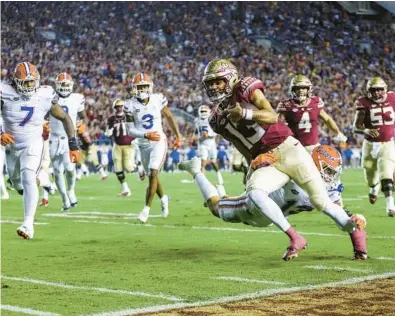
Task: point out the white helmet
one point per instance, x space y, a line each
25 73
139 80
204 111
64 84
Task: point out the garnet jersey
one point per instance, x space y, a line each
303 120
72 104
379 116
118 125
147 117
24 118
250 138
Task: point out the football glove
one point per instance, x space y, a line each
263 160
81 128
75 154
46 128
153 136
7 139
177 143
340 138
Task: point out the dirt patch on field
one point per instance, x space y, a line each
366 299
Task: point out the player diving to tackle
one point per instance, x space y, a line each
248 207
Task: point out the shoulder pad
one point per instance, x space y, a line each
246 87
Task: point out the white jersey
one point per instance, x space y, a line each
147 117
201 126
24 117
290 198
73 104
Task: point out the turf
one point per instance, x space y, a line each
180 257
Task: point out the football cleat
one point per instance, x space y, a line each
142 175
65 208
143 216
72 198
359 255
390 213
5 196
104 177
44 202
192 166
125 193
372 198
293 250
165 206
25 232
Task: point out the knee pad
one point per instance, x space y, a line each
120 176
319 202
387 185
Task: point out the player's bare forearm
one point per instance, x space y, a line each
265 117
359 125
172 122
82 116
58 113
329 122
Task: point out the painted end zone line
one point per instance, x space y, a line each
88 288
26 310
227 299
247 280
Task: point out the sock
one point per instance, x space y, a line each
206 188
339 215
125 186
71 177
266 206
390 202
164 199
374 189
45 194
30 196
146 209
220 181
221 190
292 234
59 180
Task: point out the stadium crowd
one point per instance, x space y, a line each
103 44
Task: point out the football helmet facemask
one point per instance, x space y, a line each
26 79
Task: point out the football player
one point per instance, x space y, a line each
144 121
123 151
375 119
303 111
24 106
291 199
245 117
74 105
207 147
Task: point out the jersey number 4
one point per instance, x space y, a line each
305 122
30 112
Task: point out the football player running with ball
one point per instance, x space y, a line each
245 117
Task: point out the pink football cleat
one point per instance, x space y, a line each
44 202
296 246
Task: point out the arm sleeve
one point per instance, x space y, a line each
133 131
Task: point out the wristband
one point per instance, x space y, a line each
247 114
73 145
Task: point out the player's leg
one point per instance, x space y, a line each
30 160
43 176
3 189
71 177
137 158
220 182
92 157
369 164
119 167
203 154
294 160
386 167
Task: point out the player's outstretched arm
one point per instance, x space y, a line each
173 125
134 132
328 120
359 125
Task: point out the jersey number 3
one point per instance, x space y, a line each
305 122
148 121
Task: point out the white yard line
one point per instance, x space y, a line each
96 289
255 295
28 311
320 267
351 199
77 215
385 258
246 230
20 222
247 280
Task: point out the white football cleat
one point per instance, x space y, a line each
25 232
72 198
164 202
143 216
192 166
125 193
5 196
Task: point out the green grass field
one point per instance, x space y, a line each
99 260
